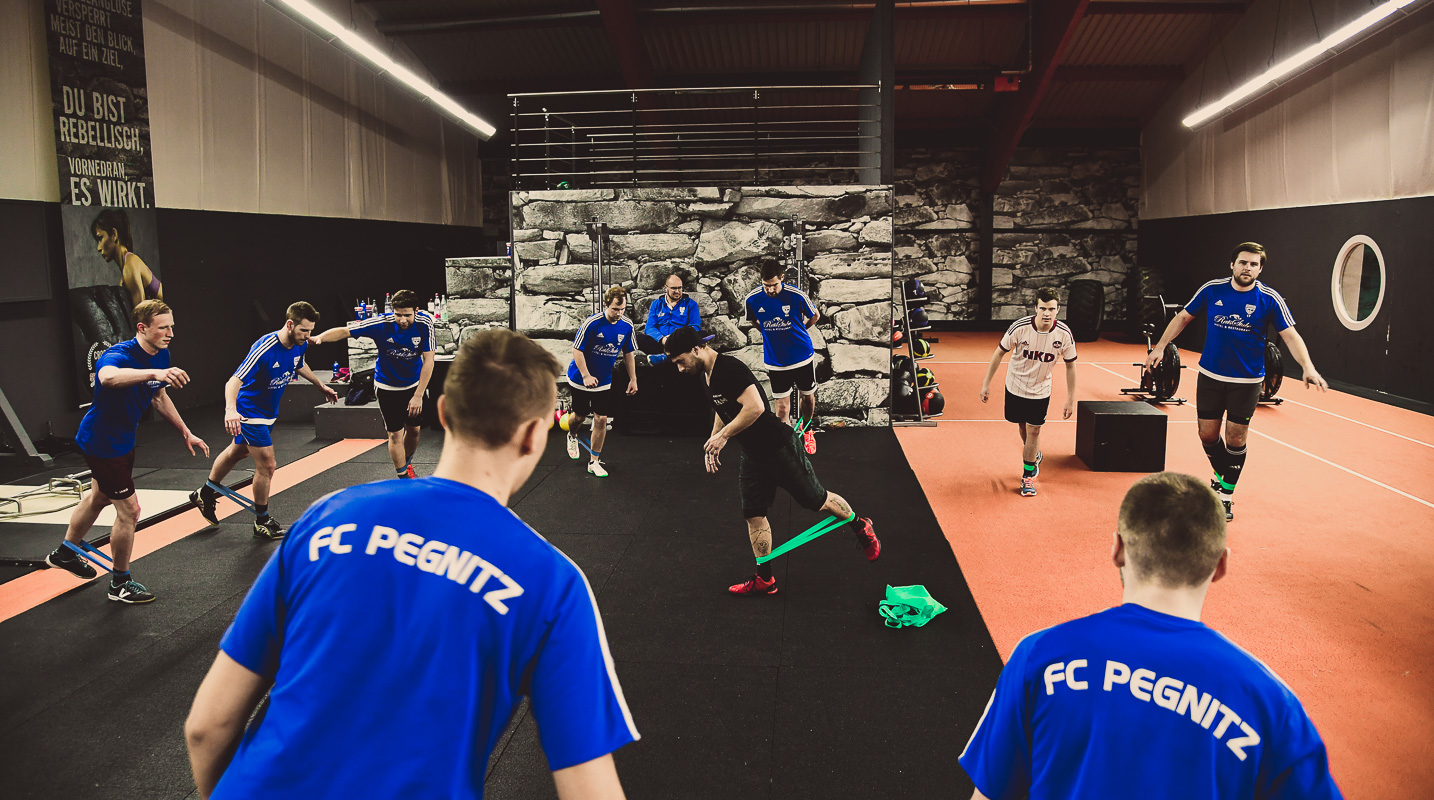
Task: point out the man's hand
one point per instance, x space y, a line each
1313 378
329 394
1069 409
712 462
632 386
231 421
985 393
1153 358
191 441
590 382
415 405
174 376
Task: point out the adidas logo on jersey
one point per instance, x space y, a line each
1220 303
276 365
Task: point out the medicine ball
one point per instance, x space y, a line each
917 318
914 288
933 403
922 348
898 337
925 378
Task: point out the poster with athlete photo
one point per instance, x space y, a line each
112 256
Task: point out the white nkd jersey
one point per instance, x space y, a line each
1034 354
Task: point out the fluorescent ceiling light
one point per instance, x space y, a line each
322 24
1274 74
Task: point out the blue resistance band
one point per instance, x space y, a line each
825 526
232 495
86 551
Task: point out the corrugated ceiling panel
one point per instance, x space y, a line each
1138 39
913 106
417 10
494 55
1101 100
751 47
960 44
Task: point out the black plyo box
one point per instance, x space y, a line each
1120 436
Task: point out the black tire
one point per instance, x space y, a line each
1085 309
1274 371
1166 380
1143 306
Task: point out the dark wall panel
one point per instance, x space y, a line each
229 278
1388 356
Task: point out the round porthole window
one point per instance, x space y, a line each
1357 286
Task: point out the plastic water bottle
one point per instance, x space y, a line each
388 303
333 376
363 309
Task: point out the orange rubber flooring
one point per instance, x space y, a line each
1331 578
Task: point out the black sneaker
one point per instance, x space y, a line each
1229 503
206 507
130 592
269 529
64 558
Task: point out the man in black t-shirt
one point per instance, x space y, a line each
771 457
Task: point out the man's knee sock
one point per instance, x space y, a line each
1234 465
1218 456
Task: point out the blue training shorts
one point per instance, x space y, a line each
253 435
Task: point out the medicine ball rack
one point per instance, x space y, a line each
602 271
902 419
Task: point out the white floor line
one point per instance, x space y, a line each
1401 492
1345 469
1357 422
1048 421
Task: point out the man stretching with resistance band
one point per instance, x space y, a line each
129 378
770 458
251 404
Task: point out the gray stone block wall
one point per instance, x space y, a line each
479 297
1062 214
714 238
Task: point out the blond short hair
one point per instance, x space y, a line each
145 312
499 380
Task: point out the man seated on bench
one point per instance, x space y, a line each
673 310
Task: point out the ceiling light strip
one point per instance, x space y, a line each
1276 73
307 14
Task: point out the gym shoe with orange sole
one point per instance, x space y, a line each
754 586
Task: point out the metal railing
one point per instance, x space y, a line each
728 135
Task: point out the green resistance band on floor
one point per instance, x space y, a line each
825 526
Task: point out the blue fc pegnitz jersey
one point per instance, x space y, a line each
1235 328
1132 703
107 430
400 351
400 624
662 320
783 322
264 373
602 343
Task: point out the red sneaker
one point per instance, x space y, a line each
809 441
411 473
867 541
754 585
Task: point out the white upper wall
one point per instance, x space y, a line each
250 112
1356 128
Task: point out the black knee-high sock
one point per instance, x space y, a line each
764 571
1215 451
1234 465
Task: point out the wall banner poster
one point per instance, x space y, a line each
100 96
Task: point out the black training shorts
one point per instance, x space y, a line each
114 476
593 401
1025 409
760 474
803 377
393 404
1215 398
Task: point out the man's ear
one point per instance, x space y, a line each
1117 550
1222 567
528 435
442 418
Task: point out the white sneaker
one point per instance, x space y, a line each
596 468
573 451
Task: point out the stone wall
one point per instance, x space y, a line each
714 239
480 292
1061 214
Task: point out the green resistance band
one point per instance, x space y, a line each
825 526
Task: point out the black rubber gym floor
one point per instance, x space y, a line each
803 694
